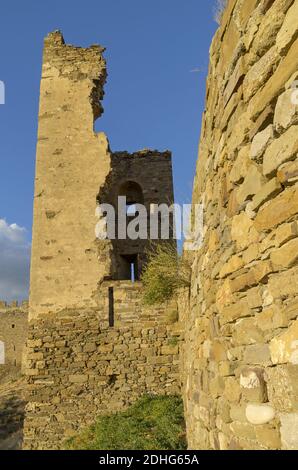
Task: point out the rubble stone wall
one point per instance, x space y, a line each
240 358
79 368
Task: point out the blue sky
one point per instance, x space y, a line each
157 58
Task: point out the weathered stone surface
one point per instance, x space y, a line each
259 414
240 166
281 150
288 172
274 86
235 311
251 185
285 232
289 29
289 431
258 354
287 255
267 192
243 231
260 142
278 210
286 113
259 73
284 348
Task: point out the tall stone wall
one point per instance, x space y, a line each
79 367
240 359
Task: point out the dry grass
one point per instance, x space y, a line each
165 273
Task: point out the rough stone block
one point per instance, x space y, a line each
289 431
284 348
281 150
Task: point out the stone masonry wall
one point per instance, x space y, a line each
240 358
80 368
13 333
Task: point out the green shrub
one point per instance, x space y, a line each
152 423
164 274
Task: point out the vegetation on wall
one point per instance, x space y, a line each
152 423
166 272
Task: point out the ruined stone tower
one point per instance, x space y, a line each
92 346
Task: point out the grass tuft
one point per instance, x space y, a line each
164 274
152 423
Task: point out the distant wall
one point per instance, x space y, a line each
79 367
241 352
13 333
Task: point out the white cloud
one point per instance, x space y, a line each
14 262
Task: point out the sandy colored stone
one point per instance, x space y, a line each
252 183
287 255
276 83
289 431
260 142
288 172
243 231
281 150
284 348
284 206
286 112
268 191
259 73
289 29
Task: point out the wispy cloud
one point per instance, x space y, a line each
14 262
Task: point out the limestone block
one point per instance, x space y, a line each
286 112
247 332
287 255
271 318
234 263
242 231
289 431
289 29
283 284
282 387
235 311
251 253
240 166
284 206
264 118
259 73
78 378
287 67
259 413
251 185
243 430
281 150
260 142
254 297
268 437
267 191
232 390
234 80
258 354
288 173
284 348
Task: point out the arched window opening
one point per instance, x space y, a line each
134 195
